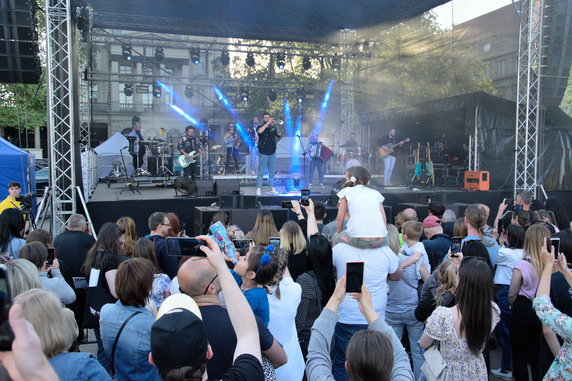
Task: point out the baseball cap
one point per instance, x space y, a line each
431 221
178 336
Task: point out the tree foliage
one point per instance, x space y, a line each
566 104
23 106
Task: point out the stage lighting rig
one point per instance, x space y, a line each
300 95
189 92
272 95
128 90
156 90
281 60
225 58
250 59
159 55
126 52
244 93
195 55
306 63
336 63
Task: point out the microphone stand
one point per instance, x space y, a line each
128 184
304 154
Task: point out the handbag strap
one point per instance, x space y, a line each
117 337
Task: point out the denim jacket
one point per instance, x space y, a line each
134 345
77 366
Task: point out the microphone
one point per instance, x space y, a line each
298 136
124 148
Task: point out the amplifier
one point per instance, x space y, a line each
477 180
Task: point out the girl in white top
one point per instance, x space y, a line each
366 227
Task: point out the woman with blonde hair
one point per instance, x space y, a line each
57 330
525 327
128 226
22 276
476 223
439 289
263 229
293 242
393 238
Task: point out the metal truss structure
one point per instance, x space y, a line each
60 80
348 77
529 118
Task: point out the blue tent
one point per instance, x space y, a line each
16 165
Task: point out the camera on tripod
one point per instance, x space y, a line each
26 202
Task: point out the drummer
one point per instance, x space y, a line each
316 162
351 143
136 149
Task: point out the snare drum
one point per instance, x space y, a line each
159 150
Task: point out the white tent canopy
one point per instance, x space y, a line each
110 151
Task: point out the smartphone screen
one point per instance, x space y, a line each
6 334
241 243
51 255
185 246
305 197
274 241
354 276
456 245
553 242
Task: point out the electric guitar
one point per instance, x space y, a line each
385 151
184 161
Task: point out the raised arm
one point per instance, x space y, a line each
312 224
239 311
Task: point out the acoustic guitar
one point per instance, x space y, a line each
385 151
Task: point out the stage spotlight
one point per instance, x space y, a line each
156 90
225 58
272 95
128 90
336 63
189 92
195 55
250 59
306 63
126 52
159 55
281 60
300 95
244 93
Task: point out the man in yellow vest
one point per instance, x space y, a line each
13 193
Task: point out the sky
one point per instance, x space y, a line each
463 10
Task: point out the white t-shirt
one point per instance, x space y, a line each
505 262
378 263
364 206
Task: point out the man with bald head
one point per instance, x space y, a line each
409 214
199 280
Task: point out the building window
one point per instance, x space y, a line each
147 70
501 70
94 92
124 69
169 71
147 99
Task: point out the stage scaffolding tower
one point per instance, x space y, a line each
348 78
529 117
60 81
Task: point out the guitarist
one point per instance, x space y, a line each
187 144
389 141
231 141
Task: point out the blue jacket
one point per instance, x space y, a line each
78 366
134 345
437 247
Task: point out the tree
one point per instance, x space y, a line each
23 106
566 103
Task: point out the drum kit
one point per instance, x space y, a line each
350 156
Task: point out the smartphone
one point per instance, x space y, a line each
51 255
354 276
287 204
508 201
6 334
274 241
503 224
185 246
456 246
305 197
241 243
553 242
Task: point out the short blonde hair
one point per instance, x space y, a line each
234 232
393 238
412 229
292 238
54 324
23 275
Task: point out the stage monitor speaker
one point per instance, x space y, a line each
19 61
203 217
205 188
227 187
477 180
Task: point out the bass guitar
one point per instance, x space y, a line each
184 161
385 151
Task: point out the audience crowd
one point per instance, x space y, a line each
288 307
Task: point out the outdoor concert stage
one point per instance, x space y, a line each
237 196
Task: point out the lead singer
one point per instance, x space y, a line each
267 134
